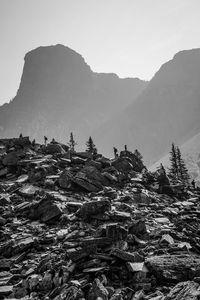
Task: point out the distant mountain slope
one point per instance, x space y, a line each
59 93
167 110
190 151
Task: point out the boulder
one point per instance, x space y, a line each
47 210
72 292
105 162
136 162
28 190
2 221
11 159
54 148
5 290
3 172
94 208
127 256
188 290
84 155
78 160
116 232
138 227
90 179
22 141
97 291
122 165
95 164
174 268
65 179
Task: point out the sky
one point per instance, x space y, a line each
131 38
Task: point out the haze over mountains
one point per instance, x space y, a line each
167 110
59 93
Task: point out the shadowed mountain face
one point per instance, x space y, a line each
59 93
167 111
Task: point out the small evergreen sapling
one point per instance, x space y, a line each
72 143
91 146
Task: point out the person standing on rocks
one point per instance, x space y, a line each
193 183
115 152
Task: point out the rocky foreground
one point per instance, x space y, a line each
79 226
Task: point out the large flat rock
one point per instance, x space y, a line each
174 268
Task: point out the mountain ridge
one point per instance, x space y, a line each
58 90
167 110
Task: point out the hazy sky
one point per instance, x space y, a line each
131 38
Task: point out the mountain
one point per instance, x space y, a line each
59 93
167 111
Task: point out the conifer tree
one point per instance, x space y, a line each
182 169
72 142
91 146
173 170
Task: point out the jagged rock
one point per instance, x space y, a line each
86 184
110 177
47 210
72 292
116 232
2 221
22 178
84 155
94 163
167 239
78 160
4 199
115 235
22 141
76 254
65 179
11 159
188 290
54 148
105 162
28 190
138 227
127 256
90 179
3 172
22 245
99 241
97 291
5 264
119 216
122 165
135 161
94 208
174 268
137 267
6 290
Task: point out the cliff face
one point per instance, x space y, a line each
59 93
167 111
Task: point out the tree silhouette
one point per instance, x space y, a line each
91 146
173 169
72 142
182 170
